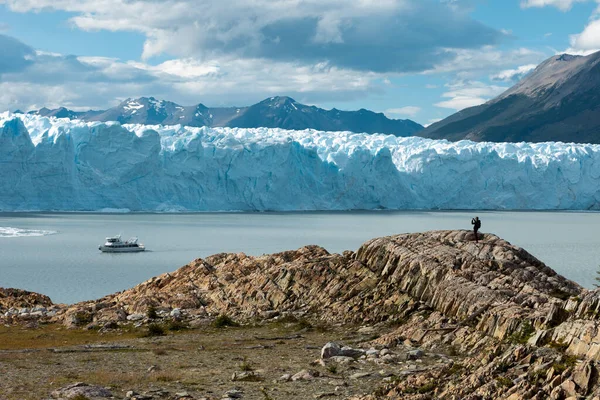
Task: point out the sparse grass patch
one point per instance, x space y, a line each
504 381
245 366
224 320
567 362
558 345
154 330
175 325
266 395
332 368
456 368
49 336
526 330
426 388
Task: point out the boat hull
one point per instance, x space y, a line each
108 249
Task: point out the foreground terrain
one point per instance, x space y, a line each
423 316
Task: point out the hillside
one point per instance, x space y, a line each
558 101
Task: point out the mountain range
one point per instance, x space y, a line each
274 112
558 101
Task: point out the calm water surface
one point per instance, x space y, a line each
68 267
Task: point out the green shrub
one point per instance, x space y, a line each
155 330
151 312
504 381
521 336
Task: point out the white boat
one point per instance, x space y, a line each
116 245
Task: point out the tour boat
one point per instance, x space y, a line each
116 245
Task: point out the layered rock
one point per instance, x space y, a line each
17 299
523 330
492 285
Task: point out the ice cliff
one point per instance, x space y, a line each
59 164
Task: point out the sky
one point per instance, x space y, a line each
416 59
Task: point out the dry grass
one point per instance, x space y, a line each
128 378
49 336
199 361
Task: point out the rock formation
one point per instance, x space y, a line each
525 331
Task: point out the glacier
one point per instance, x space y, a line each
68 165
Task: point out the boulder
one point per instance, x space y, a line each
83 390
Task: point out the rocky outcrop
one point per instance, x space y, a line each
17 298
492 285
523 330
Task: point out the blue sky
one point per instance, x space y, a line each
417 59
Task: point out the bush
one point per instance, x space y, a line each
223 320
155 330
176 325
151 312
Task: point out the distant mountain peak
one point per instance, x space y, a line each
558 101
566 57
273 112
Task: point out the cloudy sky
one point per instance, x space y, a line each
417 59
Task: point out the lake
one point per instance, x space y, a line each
57 253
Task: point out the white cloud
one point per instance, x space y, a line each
430 86
513 74
466 94
32 79
473 62
407 111
588 41
364 35
563 5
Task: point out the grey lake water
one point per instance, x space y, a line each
57 254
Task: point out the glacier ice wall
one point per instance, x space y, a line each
58 164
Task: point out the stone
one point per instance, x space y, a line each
583 376
285 377
342 359
234 394
176 313
246 376
414 354
136 317
304 375
330 350
81 389
347 351
569 388
359 375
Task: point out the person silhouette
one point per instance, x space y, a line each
476 222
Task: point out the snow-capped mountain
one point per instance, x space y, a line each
61 164
558 101
275 112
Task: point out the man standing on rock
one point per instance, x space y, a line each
476 225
